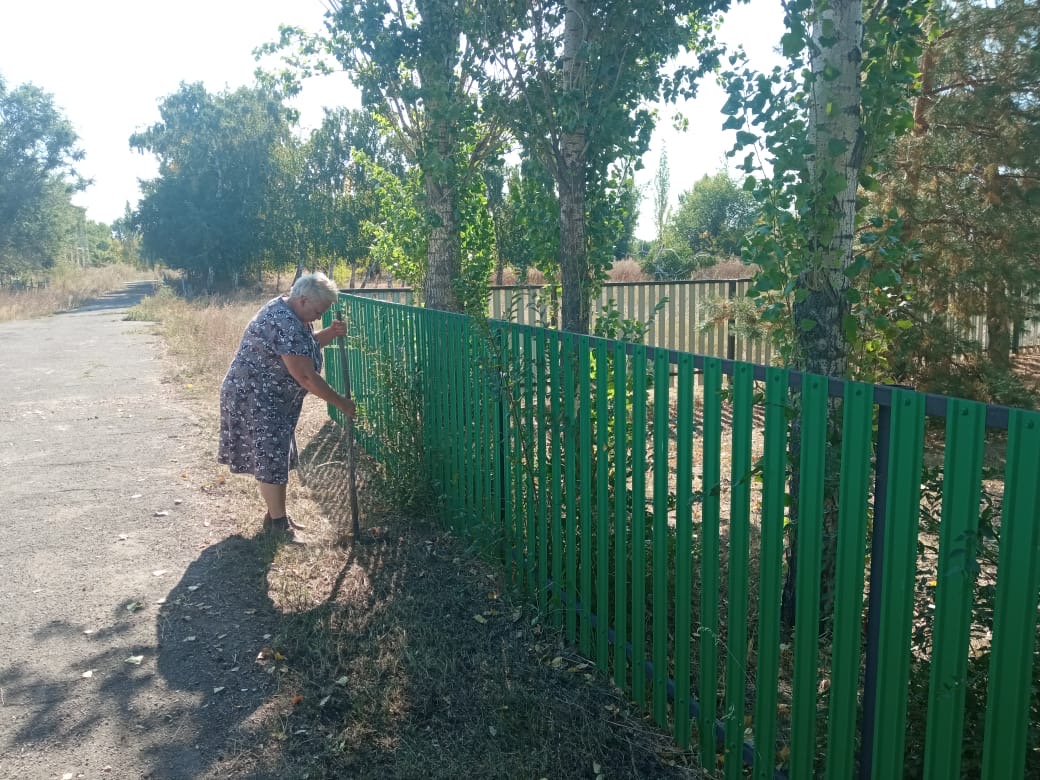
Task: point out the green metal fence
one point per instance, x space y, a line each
640 497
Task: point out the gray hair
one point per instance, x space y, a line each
317 287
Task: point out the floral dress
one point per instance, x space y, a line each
260 402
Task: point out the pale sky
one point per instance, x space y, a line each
109 63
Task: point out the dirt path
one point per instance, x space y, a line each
130 612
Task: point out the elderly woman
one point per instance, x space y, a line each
277 364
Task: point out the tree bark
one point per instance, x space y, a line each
574 261
835 130
571 167
998 326
443 264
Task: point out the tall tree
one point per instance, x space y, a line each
214 208
416 62
823 121
339 186
582 74
712 216
38 153
967 181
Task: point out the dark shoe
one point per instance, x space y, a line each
278 526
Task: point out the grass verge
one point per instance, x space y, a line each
66 289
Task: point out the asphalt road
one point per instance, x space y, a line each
130 612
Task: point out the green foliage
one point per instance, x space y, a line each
397 231
219 201
575 80
340 192
529 230
713 216
967 185
38 153
415 64
810 246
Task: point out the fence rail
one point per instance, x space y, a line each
640 497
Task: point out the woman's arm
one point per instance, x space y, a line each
301 367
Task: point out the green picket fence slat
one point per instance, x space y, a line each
660 533
809 544
743 387
555 455
1014 619
774 481
621 546
568 359
684 432
585 447
637 539
897 586
853 497
955 581
711 486
603 512
542 450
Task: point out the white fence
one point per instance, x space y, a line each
682 323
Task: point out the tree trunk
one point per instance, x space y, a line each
837 34
571 166
443 266
574 261
998 326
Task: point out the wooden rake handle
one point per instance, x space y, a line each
351 450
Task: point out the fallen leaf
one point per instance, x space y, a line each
278 656
133 606
134 659
342 680
87 674
297 699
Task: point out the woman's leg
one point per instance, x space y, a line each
274 497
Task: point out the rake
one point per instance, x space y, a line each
351 454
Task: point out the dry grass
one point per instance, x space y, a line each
67 288
626 270
407 655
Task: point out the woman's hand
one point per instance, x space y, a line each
325 336
347 407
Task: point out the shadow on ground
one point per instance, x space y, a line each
424 664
